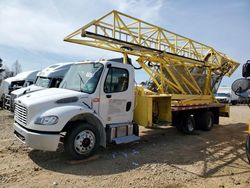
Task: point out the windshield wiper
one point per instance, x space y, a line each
82 81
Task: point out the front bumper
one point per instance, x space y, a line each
223 100
40 141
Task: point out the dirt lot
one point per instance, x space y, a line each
163 158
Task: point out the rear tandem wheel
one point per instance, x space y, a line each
185 123
205 121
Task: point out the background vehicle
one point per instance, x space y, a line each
47 78
8 85
226 95
97 102
242 86
4 88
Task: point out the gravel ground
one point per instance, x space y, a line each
162 158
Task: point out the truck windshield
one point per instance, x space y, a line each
43 82
16 85
83 77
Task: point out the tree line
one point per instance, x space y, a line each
6 71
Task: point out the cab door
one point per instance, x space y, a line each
117 93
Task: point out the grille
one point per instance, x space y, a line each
13 96
21 113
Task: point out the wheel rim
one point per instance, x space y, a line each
84 142
190 125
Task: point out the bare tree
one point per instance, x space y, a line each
7 72
16 68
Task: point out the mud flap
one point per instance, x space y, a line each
224 111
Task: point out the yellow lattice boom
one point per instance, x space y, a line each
176 64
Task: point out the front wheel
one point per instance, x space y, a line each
234 103
82 141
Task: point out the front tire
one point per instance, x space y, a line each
234 103
82 141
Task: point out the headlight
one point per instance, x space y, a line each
47 120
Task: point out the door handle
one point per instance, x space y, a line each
109 96
128 106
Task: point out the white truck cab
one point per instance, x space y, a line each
4 87
48 78
93 106
23 79
20 80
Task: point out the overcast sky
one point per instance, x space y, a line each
33 31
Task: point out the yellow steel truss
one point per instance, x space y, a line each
176 64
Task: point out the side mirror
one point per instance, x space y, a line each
241 85
246 69
109 66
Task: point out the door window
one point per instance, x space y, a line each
116 80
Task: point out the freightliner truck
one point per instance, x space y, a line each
48 78
98 102
10 84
